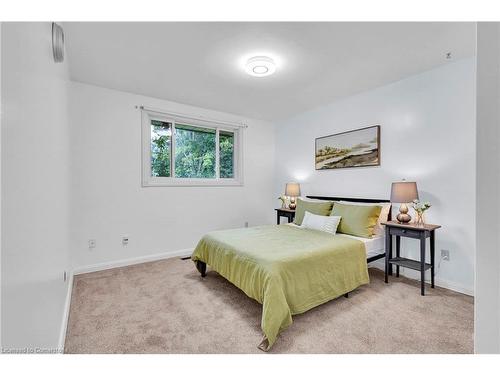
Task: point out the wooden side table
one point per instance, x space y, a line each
285 212
420 232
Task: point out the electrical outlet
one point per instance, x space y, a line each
92 244
125 240
445 254
246 224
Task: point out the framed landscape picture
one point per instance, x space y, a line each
355 148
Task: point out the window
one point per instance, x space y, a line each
194 152
180 150
161 140
226 154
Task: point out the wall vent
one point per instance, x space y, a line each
57 43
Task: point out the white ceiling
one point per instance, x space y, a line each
202 63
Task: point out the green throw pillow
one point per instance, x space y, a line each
317 208
356 220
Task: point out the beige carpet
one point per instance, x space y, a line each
166 307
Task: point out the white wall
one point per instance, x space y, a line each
35 187
487 301
427 135
1 120
109 201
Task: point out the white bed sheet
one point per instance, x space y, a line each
373 246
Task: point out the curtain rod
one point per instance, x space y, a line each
199 118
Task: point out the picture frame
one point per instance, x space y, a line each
349 149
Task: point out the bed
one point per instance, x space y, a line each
289 269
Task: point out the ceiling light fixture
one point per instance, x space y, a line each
260 66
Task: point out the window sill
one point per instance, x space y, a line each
165 181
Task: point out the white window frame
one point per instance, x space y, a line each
148 180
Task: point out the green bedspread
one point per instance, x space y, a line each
287 269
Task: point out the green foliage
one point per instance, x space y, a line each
420 207
226 152
160 149
194 151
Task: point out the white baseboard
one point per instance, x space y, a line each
453 286
131 261
415 275
67 305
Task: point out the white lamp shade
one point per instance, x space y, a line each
404 192
292 189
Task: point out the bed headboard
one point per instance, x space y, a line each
350 199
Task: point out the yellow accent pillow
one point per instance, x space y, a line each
356 220
317 208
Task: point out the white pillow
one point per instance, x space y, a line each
384 214
327 224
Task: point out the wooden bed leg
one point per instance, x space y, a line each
346 295
201 267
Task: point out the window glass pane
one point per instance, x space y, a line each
194 152
161 138
226 154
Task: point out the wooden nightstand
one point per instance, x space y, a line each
420 232
285 212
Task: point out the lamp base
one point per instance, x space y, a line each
403 217
292 204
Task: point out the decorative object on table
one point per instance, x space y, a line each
284 201
404 192
354 148
420 208
292 190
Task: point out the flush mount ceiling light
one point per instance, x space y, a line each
260 66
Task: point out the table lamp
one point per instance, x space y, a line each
403 192
292 190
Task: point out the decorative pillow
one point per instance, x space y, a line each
327 224
318 208
357 220
384 214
